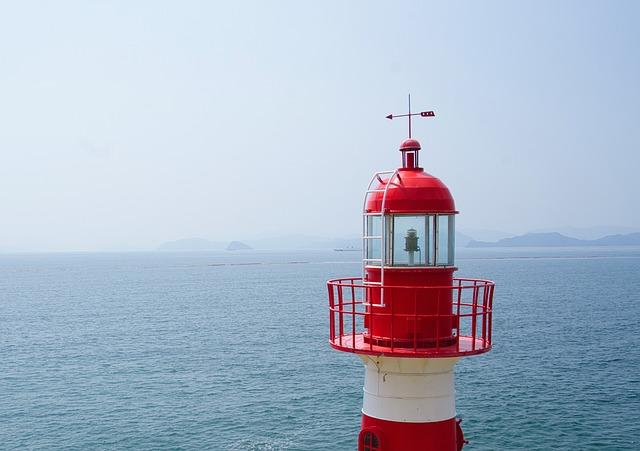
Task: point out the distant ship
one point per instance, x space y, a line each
347 249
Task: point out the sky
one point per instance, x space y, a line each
126 124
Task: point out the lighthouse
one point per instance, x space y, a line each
406 316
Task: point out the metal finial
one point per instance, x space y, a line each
409 115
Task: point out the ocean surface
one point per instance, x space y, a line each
228 351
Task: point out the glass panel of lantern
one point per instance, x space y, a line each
430 234
452 240
409 235
444 240
372 245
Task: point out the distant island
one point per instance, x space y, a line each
554 239
238 246
292 242
201 244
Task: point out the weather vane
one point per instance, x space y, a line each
422 114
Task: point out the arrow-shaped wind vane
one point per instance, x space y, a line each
409 114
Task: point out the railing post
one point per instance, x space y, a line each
438 299
332 320
492 286
474 310
393 320
340 313
353 313
415 319
353 319
369 313
458 314
484 314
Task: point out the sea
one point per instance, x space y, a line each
229 351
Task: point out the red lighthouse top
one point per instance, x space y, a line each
411 189
407 302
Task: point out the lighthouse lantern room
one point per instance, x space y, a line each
406 316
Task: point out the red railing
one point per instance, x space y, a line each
357 324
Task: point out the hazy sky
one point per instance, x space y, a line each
126 124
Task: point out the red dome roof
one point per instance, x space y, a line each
413 191
410 144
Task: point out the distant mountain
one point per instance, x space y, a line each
630 239
192 244
554 239
582 233
237 246
462 240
